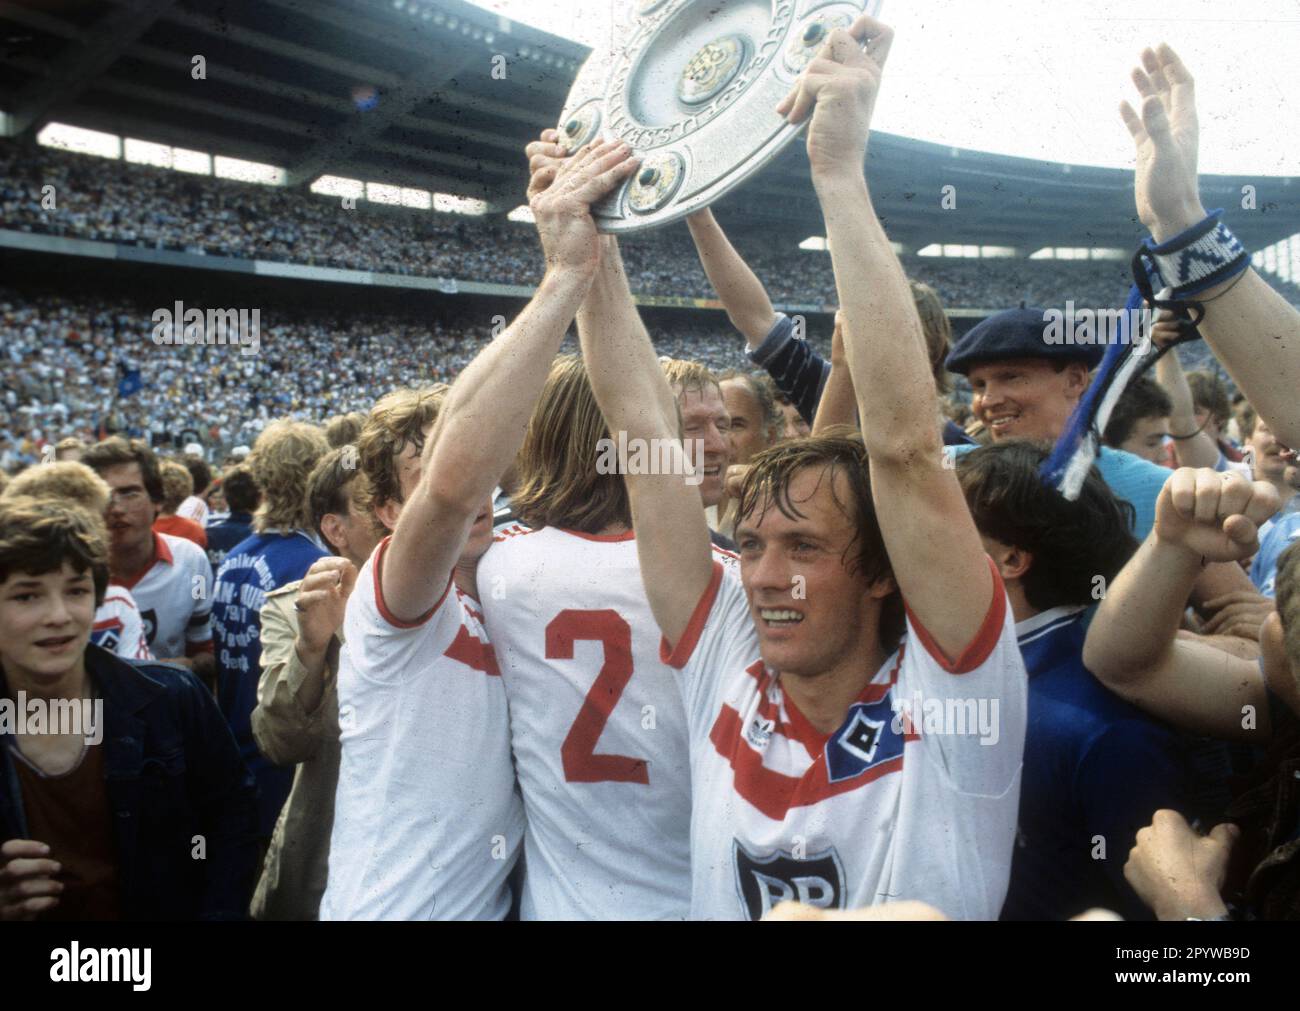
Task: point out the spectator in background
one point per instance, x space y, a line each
1210 400
296 721
280 550
1267 455
169 577
195 507
344 429
1139 423
70 448
242 497
177 486
105 829
118 626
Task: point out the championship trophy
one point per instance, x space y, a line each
693 91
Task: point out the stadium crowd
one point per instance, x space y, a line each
351 655
117 201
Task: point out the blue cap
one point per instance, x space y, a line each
1016 333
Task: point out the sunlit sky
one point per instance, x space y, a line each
1044 78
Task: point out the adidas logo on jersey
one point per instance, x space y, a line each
759 731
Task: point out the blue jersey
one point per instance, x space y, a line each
253 568
224 532
1096 770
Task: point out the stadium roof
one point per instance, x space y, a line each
286 82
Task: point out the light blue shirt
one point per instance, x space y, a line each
1278 537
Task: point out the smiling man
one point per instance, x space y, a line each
803 784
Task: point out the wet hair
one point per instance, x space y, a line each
839 450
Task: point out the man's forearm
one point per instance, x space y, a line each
1254 331
482 424
621 360
883 341
1142 610
742 293
1196 450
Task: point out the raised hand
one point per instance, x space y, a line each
321 601
561 192
839 87
1167 138
1214 515
27 884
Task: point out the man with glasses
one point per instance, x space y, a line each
169 577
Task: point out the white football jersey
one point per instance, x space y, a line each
118 627
915 796
427 819
174 596
597 724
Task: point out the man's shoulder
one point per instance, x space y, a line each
184 550
1122 465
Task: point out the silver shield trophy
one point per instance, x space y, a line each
693 90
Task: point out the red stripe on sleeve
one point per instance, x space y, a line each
384 612
979 648
678 656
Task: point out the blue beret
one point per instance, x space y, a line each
1017 333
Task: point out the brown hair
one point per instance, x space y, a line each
37 535
1287 586
343 429
282 457
1209 394
69 445
1072 542
177 483
66 480
327 487
397 420
937 330
240 489
839 450
116 452
558 483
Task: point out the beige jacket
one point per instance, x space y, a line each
297 862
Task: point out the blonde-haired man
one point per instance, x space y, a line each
281 550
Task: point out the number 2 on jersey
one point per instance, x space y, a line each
578 753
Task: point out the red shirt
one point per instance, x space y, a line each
179 526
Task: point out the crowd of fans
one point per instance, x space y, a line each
117 201
64 356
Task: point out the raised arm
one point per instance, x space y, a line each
481 427
838 405
1248 325
1133 646
672 535
931 539
1191 448
741 292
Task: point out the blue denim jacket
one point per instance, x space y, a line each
172 773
